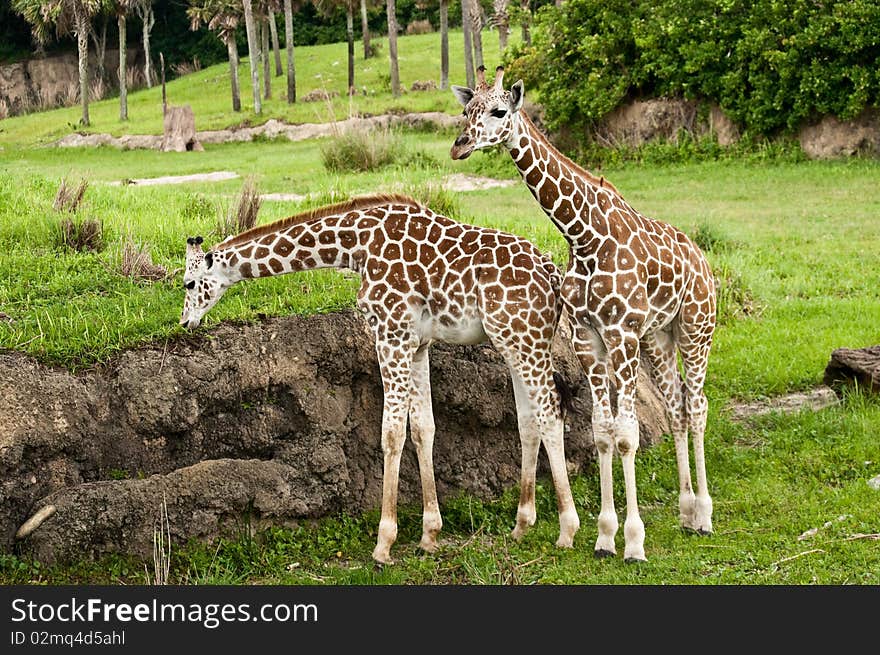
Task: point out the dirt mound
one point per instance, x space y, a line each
832 137
278 420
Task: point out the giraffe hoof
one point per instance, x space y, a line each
601 553
634 560
429 546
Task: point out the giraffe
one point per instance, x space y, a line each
425 278
632 284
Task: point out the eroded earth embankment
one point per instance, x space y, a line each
278 420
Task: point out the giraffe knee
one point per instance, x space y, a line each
626 435
603 436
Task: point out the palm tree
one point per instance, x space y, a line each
501 19
99 38
67 17
391 14
288 42
144 9
477 31
222 16
365 29
444 44
327 7
264 54
273 30
466 25
121 8
526 21
253 53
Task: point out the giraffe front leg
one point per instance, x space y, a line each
623 354
395 366
421 425
591 353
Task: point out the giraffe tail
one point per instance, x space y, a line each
566 394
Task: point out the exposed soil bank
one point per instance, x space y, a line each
280 420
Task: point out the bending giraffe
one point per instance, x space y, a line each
425 278
632 283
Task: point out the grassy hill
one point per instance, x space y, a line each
317 67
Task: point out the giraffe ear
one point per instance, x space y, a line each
517 95
463 94
209 259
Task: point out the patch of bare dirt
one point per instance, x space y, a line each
464 182
215 176
815 399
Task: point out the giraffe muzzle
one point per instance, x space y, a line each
462 148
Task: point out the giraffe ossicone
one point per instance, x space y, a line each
425 278
632 284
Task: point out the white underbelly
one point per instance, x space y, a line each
466 330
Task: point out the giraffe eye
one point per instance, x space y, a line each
189 285
499 113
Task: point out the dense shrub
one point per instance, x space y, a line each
769 64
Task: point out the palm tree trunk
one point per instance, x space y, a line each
123 77
477 32
232 49
391 14
526 22
100 41
253 53
502 22
148 19
82 47
349 32
365 29
279 71
444 44
468 47
264 57
288 42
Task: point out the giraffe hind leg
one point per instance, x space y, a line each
661 351
421 426
695 356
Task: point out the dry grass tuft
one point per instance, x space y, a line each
242 214
81 235
67 198
137 263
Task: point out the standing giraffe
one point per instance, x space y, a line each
631 281
425 278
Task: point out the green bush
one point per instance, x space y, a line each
770 65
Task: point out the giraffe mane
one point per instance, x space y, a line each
357 203
577 168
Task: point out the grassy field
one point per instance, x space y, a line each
317 67
794 243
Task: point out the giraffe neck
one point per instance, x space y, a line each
574 199
328 242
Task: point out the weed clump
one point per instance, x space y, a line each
242 214
81 234
361 151
69 197
735 299
137 263
436 198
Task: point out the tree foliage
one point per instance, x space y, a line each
769 64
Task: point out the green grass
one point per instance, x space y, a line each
798 238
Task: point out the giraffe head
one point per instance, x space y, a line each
491 113
204 279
